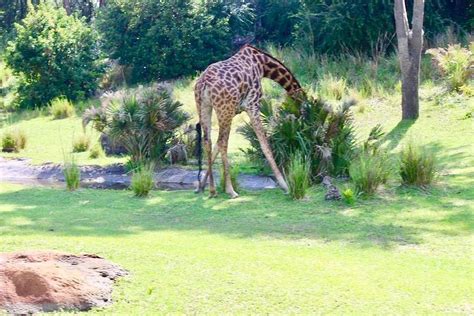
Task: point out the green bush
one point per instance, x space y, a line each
298 176
332 88
72 175
61 108
456 65
54 55
368 171
142 180
417 165
96 151
165 39
13 140
81 144
234 173
325 137
144 121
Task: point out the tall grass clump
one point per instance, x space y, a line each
298 176
96 151
13 140
368 171
455 63
72 175
331 87
61 108
142 180
81 144
234 173
417 165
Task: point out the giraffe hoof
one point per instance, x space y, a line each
233 195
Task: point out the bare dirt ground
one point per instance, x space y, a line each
32 282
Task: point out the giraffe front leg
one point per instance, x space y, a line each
254 115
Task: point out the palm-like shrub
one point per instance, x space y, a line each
417 166
144 122
310 127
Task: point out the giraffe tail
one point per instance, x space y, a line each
199 149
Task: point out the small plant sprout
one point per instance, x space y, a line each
417 165
81 144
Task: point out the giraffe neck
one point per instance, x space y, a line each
275 70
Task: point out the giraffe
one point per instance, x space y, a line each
230 87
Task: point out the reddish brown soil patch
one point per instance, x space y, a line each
33 282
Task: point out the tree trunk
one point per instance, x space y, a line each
410 44
67 6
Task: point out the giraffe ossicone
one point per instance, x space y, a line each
229 87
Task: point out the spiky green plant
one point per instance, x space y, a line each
323 135
144 121
368 171
13 140
72 175
61 108
417 165
142 180
298 176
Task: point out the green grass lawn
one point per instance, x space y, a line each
407 251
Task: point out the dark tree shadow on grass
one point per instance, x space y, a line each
393 138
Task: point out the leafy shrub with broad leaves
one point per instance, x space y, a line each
298 176
456 65
325 137
417 165
13 140
61 108
142 180
143 121
54 55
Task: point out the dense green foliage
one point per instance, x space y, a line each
163 39
144 122
323 135
54 54
367 26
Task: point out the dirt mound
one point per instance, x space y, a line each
49 281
